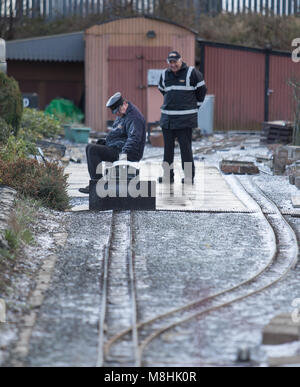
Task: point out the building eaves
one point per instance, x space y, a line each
55 48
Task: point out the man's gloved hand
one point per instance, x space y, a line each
101 142
122 156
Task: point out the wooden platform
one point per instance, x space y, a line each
281 329
209 193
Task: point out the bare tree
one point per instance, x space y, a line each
19 8
295 84
179 11
12 16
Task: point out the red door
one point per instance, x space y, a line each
128 70
281 100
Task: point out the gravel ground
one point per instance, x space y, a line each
179 257
23 277
209 259
66 333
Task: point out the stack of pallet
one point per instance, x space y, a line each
280 132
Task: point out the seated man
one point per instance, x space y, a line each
126 139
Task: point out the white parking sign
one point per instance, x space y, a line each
2 311
26 102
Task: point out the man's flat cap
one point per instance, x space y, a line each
115 102
173 55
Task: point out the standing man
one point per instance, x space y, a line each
125 141
184 91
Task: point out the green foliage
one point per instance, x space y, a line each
16 148
18 232
295 85
5 131
44 182
12 239
37 125
11 102
253 30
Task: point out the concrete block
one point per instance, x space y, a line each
280 160
296 201
268 161
280 330
238 167
292 179
118 197
293 152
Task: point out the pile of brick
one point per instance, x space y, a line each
287 161
238 167
280 132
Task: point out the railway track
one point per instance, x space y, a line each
118 290
283 258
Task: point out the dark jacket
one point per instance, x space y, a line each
128 134
183 93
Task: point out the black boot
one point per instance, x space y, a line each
85 190
163 179
187 180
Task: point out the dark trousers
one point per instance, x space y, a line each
184 137
95 154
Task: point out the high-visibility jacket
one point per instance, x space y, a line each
183 93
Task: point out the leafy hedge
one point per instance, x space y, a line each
44 182
11 102
19 132
17 148
5 131
37 125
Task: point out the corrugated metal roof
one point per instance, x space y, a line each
58 48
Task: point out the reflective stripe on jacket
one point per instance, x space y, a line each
183 93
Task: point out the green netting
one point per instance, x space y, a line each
65 110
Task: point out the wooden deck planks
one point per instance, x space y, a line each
209 193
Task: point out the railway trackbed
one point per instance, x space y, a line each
128 346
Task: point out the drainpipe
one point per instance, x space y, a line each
3 65
268 91
202 57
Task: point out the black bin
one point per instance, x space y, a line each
31 100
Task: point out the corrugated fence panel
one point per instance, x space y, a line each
236 78
52 9
281 101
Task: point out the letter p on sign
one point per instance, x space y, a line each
2 311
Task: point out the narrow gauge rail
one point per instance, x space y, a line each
107 253
277 266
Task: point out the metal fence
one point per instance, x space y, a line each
51 9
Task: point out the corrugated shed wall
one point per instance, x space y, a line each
282 69
236 78
120 53
96 74
49 79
